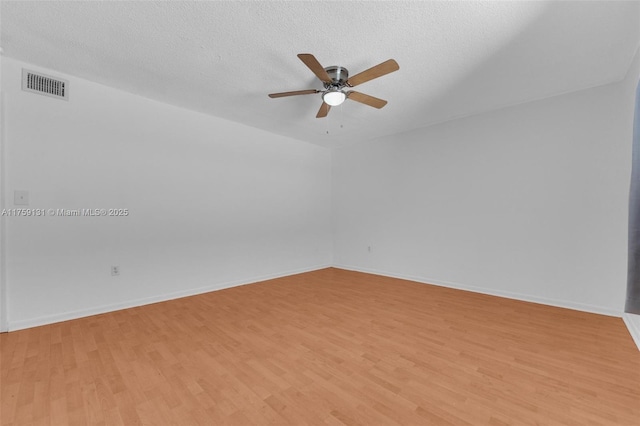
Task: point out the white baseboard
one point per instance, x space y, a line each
66 316
631 321
633 325
506 294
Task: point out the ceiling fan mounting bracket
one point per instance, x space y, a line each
339 76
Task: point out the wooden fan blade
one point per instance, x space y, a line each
374 72
366 99
297 92
324 110
313 64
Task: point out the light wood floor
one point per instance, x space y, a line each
327 347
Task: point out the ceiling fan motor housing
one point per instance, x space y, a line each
339 76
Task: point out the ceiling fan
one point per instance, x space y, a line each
336 79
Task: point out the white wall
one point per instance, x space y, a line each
212 203
527 202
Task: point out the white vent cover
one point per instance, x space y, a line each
45 85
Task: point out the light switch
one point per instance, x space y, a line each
21 198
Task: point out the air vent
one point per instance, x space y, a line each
45 85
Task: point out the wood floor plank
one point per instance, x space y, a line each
329 347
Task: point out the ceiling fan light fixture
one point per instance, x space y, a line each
334 97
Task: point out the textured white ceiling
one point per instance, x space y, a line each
223 58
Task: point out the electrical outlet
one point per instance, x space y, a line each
21 198
115 270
